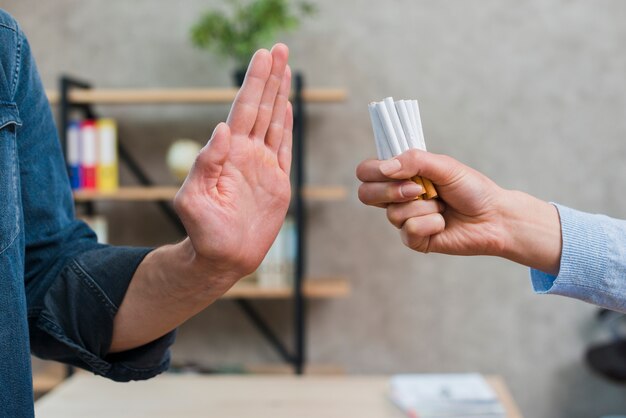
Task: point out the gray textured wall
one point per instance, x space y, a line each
531 93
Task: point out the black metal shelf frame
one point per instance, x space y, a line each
296 357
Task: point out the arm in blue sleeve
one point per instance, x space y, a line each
74 285
593 260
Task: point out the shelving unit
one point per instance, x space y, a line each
77 95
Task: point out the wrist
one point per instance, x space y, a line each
187 276
532 232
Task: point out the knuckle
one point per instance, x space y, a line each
412 153
394 216
393 191
410 157
440 223
275 128
413 227
412 241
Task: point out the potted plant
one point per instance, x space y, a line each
250 25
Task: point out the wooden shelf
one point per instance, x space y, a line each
324 193
128 193
187 95
313 288
312 193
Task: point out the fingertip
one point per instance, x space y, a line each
281 49
359 170
279 55
262 56
364 169
263 52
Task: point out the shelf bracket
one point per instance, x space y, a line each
254 316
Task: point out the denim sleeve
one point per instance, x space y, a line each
593 260
74 285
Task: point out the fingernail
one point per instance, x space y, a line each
391 166
411 190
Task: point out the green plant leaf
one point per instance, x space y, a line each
249 26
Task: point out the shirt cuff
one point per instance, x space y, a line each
586 255
75 325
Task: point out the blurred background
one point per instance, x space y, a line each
533 94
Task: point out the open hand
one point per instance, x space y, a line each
236 196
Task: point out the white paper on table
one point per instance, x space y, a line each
445 395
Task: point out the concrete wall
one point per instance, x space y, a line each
531 93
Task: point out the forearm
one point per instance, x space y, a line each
170 286
532 232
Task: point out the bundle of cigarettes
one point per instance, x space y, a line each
398 128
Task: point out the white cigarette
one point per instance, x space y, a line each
410 109
382 147
390 134
418 122
397 125
407 124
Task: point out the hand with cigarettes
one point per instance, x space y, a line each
471 216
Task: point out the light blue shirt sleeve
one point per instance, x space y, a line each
593 260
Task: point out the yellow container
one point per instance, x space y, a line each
107 177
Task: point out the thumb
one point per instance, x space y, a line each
210 160
440 169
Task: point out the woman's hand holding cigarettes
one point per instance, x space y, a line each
474 216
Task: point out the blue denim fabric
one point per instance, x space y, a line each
59 288
593 260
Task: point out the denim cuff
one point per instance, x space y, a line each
76 322
586 260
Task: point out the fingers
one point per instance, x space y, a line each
369 170
244 111
440 169
416 232
399 213
273 87
284 150
274 134
210 160
377 193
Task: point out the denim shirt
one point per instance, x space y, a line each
59 288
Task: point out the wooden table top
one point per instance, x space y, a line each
234 396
